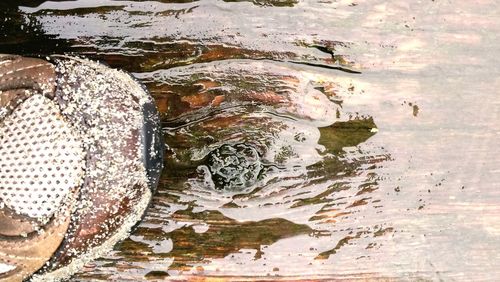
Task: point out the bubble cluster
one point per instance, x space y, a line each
234 167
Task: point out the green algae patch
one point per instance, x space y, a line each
226 236
346 134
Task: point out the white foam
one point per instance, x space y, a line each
4 268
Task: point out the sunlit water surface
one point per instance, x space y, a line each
306 139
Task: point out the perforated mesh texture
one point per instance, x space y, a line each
41 160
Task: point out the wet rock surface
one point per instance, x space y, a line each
375 124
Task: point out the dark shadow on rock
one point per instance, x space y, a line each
22 34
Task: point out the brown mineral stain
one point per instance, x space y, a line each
198 101
218 100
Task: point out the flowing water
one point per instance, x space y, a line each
307 139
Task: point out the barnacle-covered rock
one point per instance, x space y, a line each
81 155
